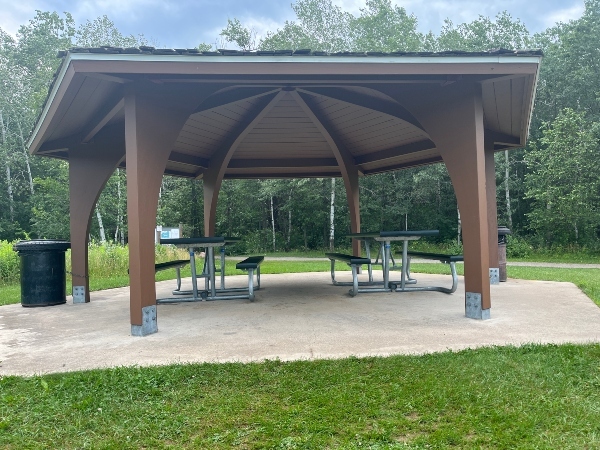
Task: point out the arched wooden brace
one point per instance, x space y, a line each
213 176
344 159
90 167
454 121
151 129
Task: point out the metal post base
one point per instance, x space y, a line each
78 294
494 276
149 324
473 307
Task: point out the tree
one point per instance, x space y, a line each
484 34
564 182
383 27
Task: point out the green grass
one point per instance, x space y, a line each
527 397
588 280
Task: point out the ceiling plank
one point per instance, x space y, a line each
236 95
269 176
106 113
220 159
366 101
343 157
280 163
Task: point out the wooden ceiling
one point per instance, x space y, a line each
283 120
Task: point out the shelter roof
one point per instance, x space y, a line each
287 108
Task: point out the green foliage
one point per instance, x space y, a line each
564 180
102 31
484 34
501 397
51 208
517 247
245 38
9 264
384 27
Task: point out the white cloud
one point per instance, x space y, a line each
563 15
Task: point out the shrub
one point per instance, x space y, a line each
517 247
9 263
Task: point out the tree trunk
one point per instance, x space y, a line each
119 212
100 225
273 223
507 189
26 154
332 217
459 226
8 175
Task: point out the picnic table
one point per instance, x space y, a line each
208 244
385 238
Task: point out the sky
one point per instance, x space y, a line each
187 23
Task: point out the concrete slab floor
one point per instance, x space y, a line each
294 316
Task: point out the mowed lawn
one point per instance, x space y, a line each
503 397
527 397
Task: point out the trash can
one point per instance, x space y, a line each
43 274
502 233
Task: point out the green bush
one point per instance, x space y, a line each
517 247
9 263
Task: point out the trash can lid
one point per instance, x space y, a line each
502 231
37 245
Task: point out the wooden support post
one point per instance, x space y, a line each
453 118
150 132
90 167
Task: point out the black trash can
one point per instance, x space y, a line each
502 233
43 273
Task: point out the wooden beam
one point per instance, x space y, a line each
189 160
106 113
281 163
178 173
61 144
111 78
502 138
394 152
234 96
391 108
406 165
282 175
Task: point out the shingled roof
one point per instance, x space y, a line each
147 50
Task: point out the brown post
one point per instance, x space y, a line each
454 121
150 131
90 167
490 177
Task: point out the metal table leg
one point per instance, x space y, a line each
404 264
193 268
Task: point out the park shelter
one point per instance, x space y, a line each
234 114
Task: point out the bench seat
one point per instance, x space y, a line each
447 259
354 262
177 265
252 265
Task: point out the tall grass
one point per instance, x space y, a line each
9 264
105 260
